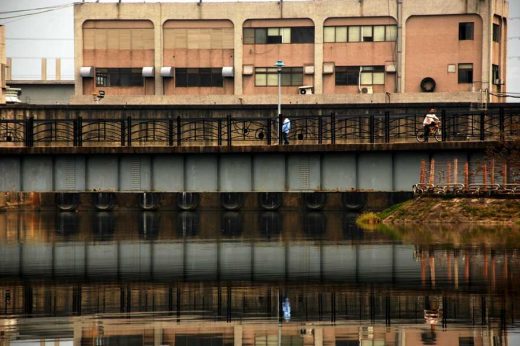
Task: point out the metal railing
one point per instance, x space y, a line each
496 125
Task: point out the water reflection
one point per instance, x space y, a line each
252 278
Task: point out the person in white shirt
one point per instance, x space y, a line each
286 127
430 120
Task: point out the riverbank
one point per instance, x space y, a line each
424 210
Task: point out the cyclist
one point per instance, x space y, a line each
430 121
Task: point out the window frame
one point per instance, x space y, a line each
466 31
463 75
497 32
191 77
364 73
115 76
285 35
294 75
356 33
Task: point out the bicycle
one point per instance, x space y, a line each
435 132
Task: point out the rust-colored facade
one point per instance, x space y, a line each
224 53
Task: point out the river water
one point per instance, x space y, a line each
214 278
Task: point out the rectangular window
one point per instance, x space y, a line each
119 77
198 77
249 36
354 33
379 33
360 75
465 73
496 74
302 35
496 33
466 341
341 34
260 36
329 34
281 35
268 76
372 75
347 75
391 33
465 31
367 34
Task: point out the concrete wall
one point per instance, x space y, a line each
318 13
45 93
240 172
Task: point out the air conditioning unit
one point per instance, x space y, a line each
305 90
367 90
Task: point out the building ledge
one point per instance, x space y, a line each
39 82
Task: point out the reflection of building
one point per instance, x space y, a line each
164 330
222 53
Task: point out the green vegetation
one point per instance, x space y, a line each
368 220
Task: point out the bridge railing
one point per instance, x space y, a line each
233 131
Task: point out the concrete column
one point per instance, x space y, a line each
238 335
58 69
44 69
9 72
158 52
318 55
318 337
78 50
238 55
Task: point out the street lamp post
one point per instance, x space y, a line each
279 65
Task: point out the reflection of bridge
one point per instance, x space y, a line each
88 151
257 261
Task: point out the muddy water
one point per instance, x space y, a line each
252 278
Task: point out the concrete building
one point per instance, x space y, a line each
334 52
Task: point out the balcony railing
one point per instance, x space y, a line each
495 125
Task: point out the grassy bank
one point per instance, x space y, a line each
488 211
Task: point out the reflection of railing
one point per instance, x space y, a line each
231 131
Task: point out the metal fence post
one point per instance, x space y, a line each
268 128
123 131
280 124
333 128
444 125
170 131
78 131
387 127
129 131
219 131
28 135
179 131
320 129
501 123
228 126
372 130
482 126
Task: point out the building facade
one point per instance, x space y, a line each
333 52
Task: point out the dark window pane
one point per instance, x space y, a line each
466 341
302 35
274 39
465 31
260 36
181 77
249 36
496 32
347 75
121 77
465 73
496 74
